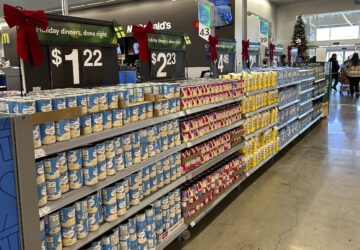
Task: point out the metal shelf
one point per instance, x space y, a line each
310 124
306 113
307 101
307 79
258 91
288 84
214 133
106 226
216 201
307 90
260 110
288 104
287 122
214 105
214 161
318 96
77 194
249 136
171 237
319 80
253 170
94 137
289 141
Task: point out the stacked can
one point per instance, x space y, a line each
121 198
150 227
110 205
128 152
41 185
134 190
68 225
52 176
74 163
93 211
101 161
71 102
53 231
124 235
81 215
63 168
42 235
43 105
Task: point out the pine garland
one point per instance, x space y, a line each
299 38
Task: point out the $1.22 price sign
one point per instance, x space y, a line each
71 66
163 65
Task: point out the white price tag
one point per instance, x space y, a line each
39 153
44 211
189 144
192 224
182 113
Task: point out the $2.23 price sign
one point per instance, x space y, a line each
74 66
163 65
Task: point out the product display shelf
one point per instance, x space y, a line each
319 80
307 90
84 191
260 110
214 133
249 136
171 236
106 226
258 91
288 84
214 161
308 79
254 169
287 122
214 105
306 113
288 104
217 201
307 101
318 96
311 123
289 141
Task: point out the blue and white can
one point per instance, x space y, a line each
52 223
117 118
40 177
82 101
113 99
168 91
58 103
115 237
94 222
75 127
176 126
119 162
158 108
110 212
64 182
131 92
167 176
177 158
153 184
109 195
149 212
76 178
67 216
110 166
36 136
124 96
124 230
92 100
152 170
51 168
160 180
164 202
140 222
142 246
171 140
171 196
68 236
151 149
85 124
92 203
164 143
178 104
134 196
89 156
147 88
126 115
110 148
158 146
107 119
106 242
97 122
121 206
132 225
143 133
96 245
54 242
149 110
144 152
126 139
146 188
118 142
159 167
165 107
12 107
176 89
156 90
142 112
128 156
101 166
134 181
169 128
151 132
133 241
159 224
43 104
90 175
145 173
71 101
82 228
62 130
102 100
42 229
125 244
134 113
139 93
177 139
42 196
172 106
157 131
100 151
47 133
173 173
135 139
101 213
163 129
81 211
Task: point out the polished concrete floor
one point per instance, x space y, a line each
307 199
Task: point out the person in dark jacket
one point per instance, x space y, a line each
335 69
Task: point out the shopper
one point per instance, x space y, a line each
352 69
335 69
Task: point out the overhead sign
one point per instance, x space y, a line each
226 50
264 33
76 54
204 16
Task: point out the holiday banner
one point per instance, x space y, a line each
58 31
264 33
166 41
226 46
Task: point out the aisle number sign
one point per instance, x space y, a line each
204 21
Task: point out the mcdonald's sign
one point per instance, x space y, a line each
5 38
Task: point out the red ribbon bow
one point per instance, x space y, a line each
245 50
289 53
141 33
272 47
26 34
213 41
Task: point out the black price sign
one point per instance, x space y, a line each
167 57
226 57
77 53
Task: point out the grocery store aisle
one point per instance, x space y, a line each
308 199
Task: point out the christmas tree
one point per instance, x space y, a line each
299 38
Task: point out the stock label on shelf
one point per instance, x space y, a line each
225 63
76 54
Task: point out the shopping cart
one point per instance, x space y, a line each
345 84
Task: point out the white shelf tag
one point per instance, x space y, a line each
44 211
39 153
192 224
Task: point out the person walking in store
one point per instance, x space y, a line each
335 69
352 69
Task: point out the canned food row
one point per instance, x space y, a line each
254 102
75 168
288 132
189 89
202 190
64 227
289 94
288 113
260 120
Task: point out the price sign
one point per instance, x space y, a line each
77 53
206 17
167 57
226 57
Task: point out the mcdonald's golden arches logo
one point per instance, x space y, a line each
5 38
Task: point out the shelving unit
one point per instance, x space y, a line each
171 237
306 113
307 101
307 90
288 104
254 92
317 97
254 169
288 84
214 105
287 122
260 110
249 136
